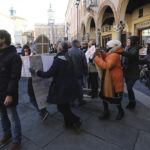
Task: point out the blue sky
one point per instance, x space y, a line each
35 10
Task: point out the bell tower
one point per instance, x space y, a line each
51 19
51 22
12 12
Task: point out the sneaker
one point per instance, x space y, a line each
16 146
44 115
5 140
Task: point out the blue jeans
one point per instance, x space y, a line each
34 103
130 83
11 123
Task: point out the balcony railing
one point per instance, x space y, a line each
91 3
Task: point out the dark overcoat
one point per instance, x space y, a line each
64 87
10 73
131 64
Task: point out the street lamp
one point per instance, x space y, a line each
77 5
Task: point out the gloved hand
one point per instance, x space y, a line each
97 53
33 70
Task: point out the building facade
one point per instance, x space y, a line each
103 20
46 30
51 30
7 23
22 33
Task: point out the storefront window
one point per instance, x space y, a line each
145 36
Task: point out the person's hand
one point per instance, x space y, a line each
97 53
33 70
8 100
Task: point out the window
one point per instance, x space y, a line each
140 12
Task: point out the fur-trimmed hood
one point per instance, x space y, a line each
116 49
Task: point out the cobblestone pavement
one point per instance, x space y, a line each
131 133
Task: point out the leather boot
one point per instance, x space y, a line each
106 113
120 114
16 146
131 105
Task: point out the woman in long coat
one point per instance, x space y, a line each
131 68
64 87
112 60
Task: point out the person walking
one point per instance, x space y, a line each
43 113
64 87
80 66
131 68
93 74
10 72
112 61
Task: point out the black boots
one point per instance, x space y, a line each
105 116
106 113
120 113
131 105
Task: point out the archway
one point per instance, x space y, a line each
135 14
42 44
83 32
106 23
91 28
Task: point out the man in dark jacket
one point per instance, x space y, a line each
10 72
80 66
64 87
131 68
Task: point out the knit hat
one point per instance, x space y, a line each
113 43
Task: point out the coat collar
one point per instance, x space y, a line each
10 48
116 49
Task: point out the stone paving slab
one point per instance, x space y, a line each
112 131
26 145
39 132
71 141
143 142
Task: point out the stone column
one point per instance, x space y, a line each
119 29
87 37
98 38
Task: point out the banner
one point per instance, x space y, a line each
143 51
40 85
90 53
25 66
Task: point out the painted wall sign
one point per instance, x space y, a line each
143 24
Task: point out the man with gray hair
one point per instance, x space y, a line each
80 66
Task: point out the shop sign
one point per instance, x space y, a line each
143 24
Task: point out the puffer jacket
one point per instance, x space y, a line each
131 63
112 59
10 72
